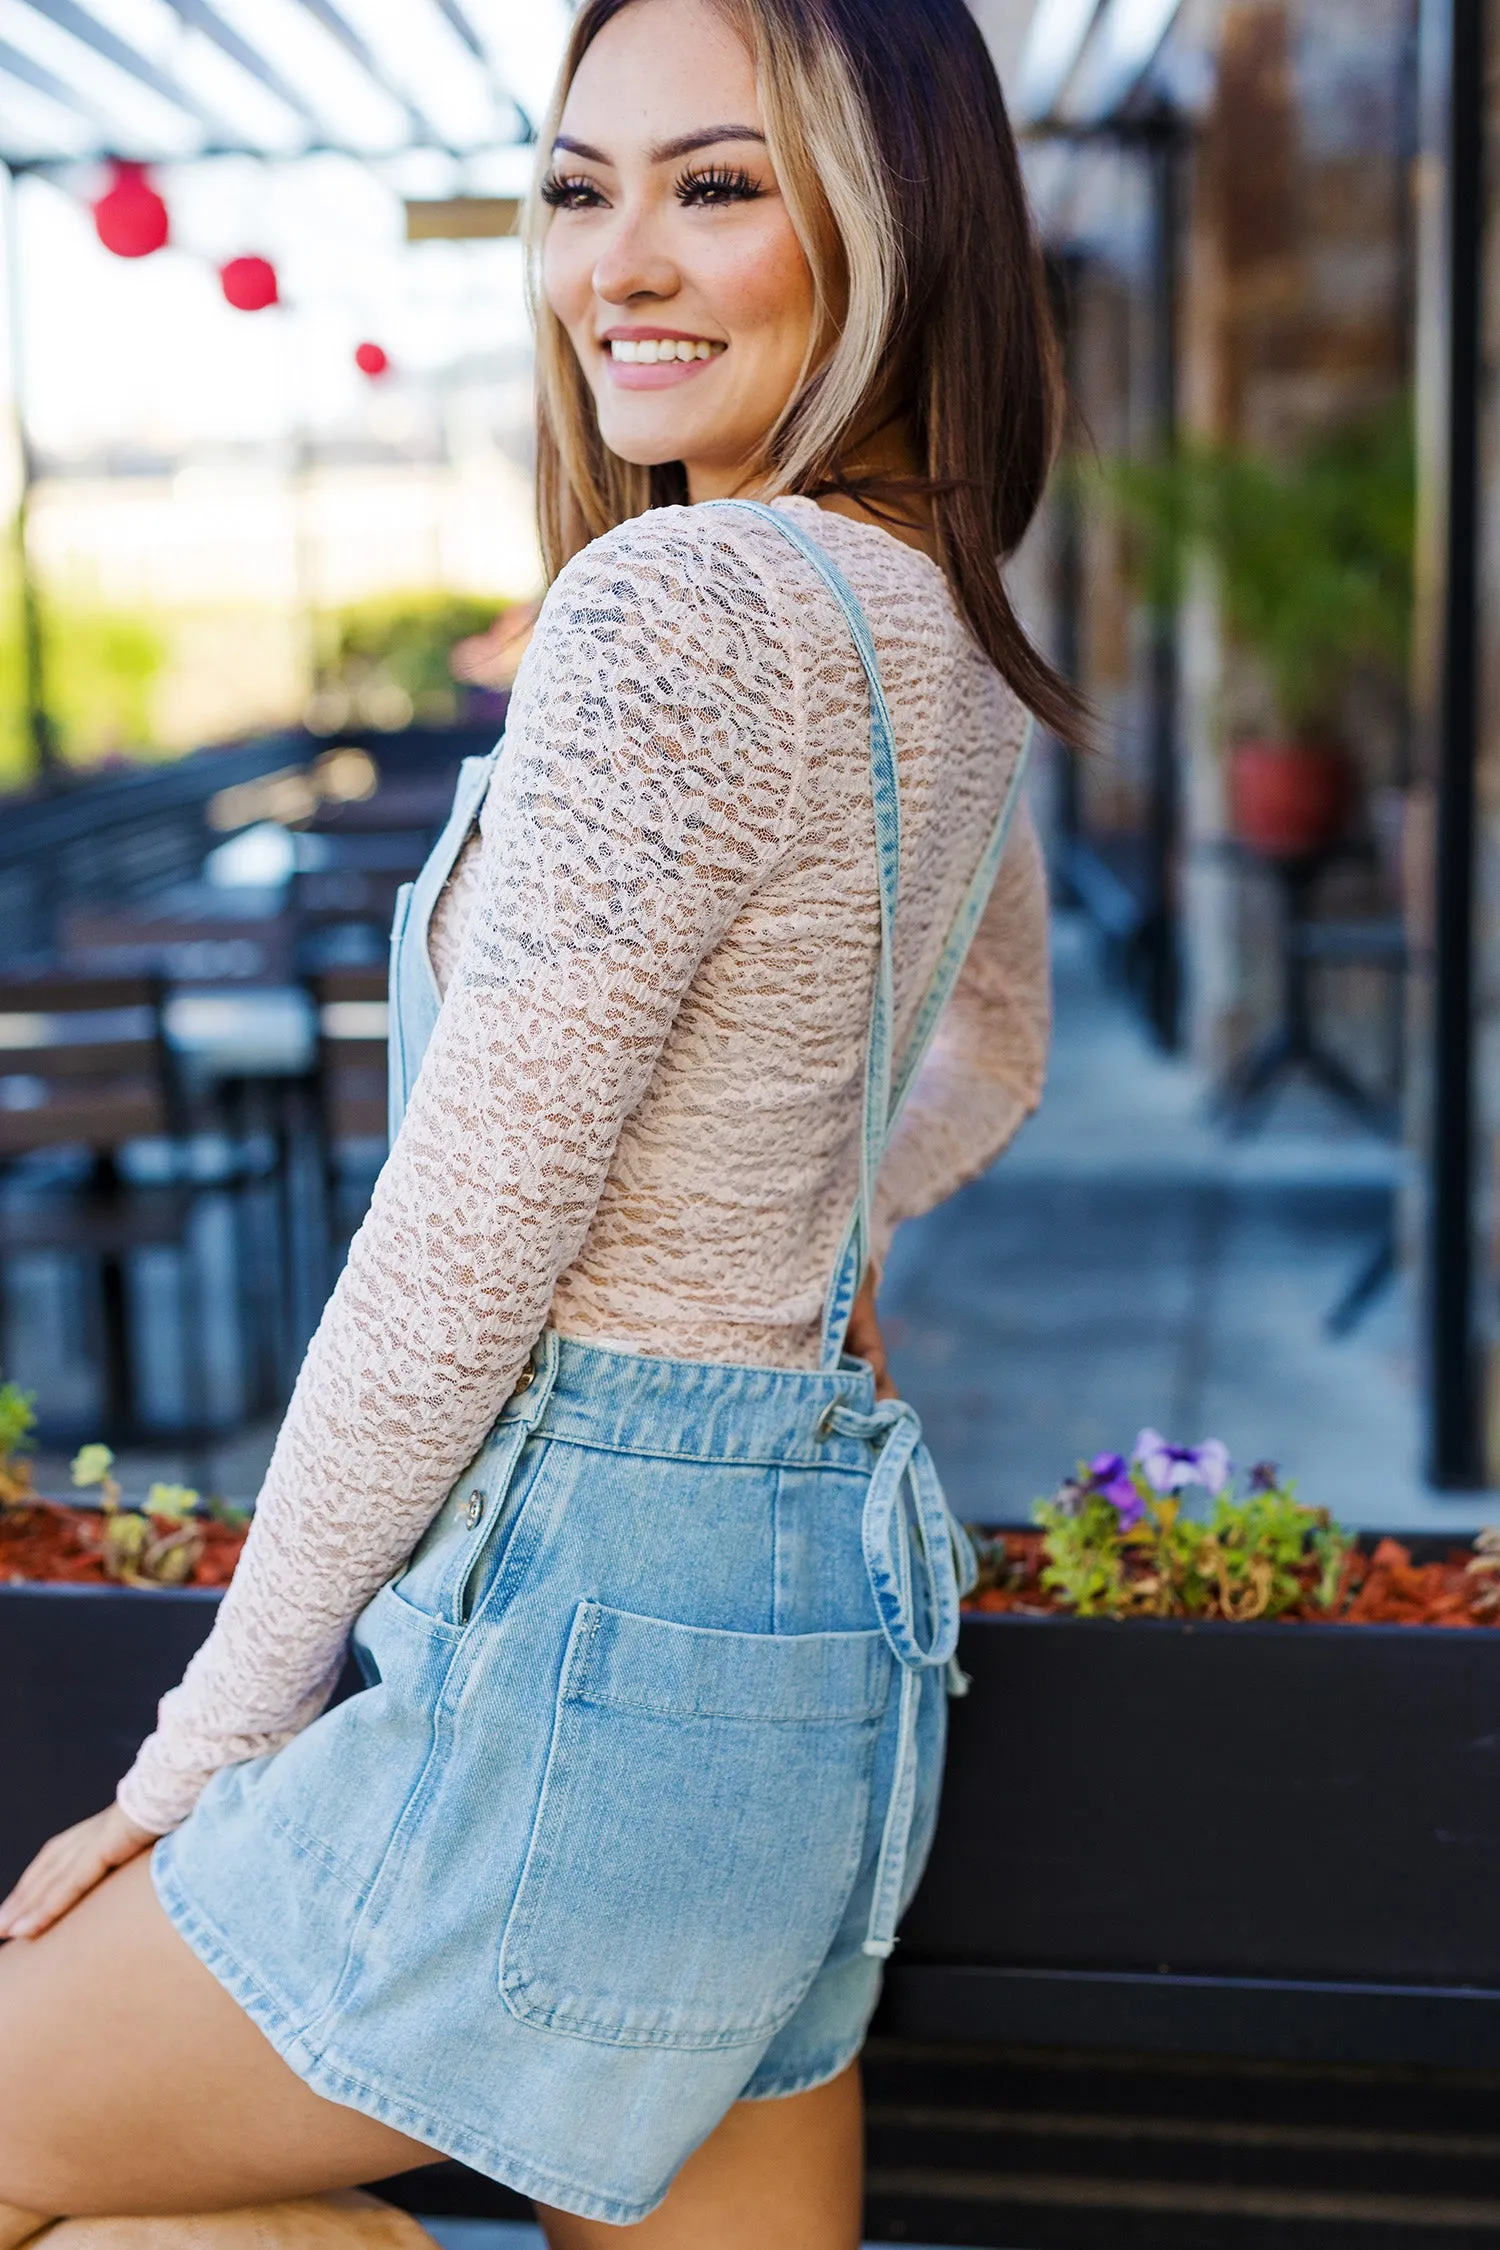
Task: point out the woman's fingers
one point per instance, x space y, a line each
67 1868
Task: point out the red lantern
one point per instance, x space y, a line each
130 216
372 360
249 284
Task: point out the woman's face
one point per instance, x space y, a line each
670 257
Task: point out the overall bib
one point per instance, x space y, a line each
647 1762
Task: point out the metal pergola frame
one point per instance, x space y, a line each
76 19
1455 92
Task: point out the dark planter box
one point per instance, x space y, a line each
1235 1839
82 1669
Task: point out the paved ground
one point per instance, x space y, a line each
1128 1263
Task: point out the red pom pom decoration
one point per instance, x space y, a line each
372 360
249 284
130 217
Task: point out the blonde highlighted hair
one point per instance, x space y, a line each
887 129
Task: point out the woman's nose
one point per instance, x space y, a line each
633 264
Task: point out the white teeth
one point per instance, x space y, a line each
651 351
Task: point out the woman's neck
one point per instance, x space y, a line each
885 459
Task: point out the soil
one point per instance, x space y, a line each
51 1541
1382 1587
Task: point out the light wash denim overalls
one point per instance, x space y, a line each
622 1825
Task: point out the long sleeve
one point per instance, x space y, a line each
641 799
983 1074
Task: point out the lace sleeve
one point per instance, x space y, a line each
641 798
983 1074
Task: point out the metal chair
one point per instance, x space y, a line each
351 1009
85 1071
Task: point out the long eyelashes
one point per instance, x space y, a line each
564 192
708 188
717 183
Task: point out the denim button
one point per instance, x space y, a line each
475 1509
524 1381
823 1427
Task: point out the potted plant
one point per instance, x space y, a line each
1313 559
1225 1781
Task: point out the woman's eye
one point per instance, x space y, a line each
717 184
562 193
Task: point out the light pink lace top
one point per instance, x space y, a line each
639 1113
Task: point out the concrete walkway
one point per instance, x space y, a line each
1128 1263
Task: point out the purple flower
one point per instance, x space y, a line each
1109 1479
1265 1477
1167 1468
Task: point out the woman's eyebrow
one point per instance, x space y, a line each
665 152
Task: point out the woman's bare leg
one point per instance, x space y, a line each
131 2082
783 2175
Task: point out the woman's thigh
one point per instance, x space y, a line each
130 2080
778 2175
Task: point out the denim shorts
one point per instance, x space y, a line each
595 1853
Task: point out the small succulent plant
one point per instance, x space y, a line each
156 1545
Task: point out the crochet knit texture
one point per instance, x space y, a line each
639 1114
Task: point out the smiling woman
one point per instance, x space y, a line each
733 957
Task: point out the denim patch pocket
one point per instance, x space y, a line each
700 1827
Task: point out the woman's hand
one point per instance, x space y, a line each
864 1340
64 1870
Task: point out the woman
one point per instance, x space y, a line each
592 1884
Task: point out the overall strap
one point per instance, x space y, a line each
886 1088
854 1253
414 995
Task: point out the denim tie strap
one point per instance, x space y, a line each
905 1509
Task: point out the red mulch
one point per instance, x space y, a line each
1383 1588
47 1539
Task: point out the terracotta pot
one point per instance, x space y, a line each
1286 799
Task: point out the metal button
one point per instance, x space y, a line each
823 1427
475 1508
524 1381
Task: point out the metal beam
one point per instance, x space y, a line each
466 32
224 36
1454 38
41 735
13 64
349 39
70 17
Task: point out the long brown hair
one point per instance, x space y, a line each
887 128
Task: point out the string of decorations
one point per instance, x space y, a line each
131 219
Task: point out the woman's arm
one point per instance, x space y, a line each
984 1072
640 800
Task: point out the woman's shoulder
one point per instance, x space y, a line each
713 547
688 588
